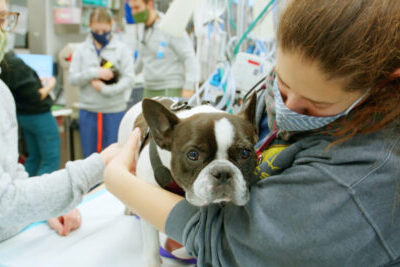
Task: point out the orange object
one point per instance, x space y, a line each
171 245
99 132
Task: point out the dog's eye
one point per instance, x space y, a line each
245 153
193 155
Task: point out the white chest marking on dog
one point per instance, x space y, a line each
224 134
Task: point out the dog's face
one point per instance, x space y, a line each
212 154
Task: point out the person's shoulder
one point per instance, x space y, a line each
12 66
353 159
12 58
119 44
84 44
379 141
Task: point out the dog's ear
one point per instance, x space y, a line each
249 111
161 122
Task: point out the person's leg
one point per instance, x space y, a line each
32 162
88 132
49 143
111 123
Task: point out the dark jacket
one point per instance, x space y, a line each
24 84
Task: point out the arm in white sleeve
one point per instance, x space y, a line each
23 201
78 75
183 48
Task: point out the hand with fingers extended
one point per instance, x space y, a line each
129 153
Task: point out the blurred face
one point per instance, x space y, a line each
137 6
306 90
99 27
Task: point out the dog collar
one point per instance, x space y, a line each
161 173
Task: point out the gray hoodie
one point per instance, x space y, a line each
316 207
25 200
85 66
168 62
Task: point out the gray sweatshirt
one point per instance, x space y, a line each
168 62
85 66
25 200
316 207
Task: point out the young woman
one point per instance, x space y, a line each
102 95
329 186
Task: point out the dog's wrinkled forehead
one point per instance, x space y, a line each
212 132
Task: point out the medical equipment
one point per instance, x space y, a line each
219 90
264 30
248 69
177 17
252 25
218 45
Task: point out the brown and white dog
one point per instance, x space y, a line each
209 153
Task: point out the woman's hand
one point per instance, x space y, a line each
63 225
97 85
129 154
110 152
105 74
150 202
48 84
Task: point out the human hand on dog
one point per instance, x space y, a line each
97 85
110 152
63 225
129 154
105 74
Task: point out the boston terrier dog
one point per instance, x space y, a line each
206 152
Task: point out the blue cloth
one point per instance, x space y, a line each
42 139
263 129
88 130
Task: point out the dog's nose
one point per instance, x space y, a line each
222 177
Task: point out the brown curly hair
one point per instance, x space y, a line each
355 39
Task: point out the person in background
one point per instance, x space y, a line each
39 127
169 63
51 196
329 176
102 67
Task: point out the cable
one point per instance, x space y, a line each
231 22
252 25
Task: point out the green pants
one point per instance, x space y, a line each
171 92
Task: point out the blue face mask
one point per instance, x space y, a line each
102 39
289 120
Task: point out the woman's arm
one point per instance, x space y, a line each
150 202
127 75
77 75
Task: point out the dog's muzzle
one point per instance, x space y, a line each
219 181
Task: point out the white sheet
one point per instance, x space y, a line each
106 238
